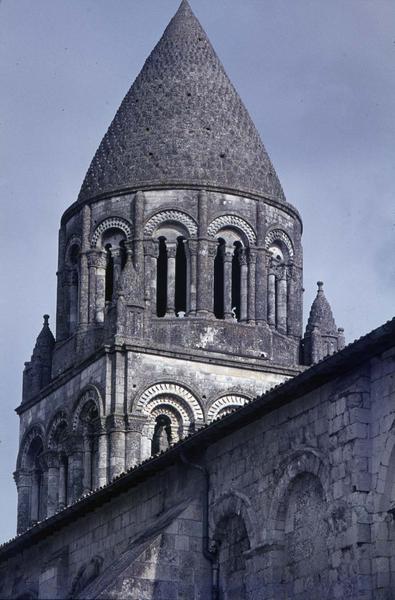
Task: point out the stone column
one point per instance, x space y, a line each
76 468
228 258
191 251
261 287
116 256
92 259
35 499
62 484
83 309
101 263
51 460
271 300
171 279
73 300
102 461
243 286
87 477
281 302
151 252
116 429
23 480
60 320
136 424
251 284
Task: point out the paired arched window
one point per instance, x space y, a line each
114 245
278 285
230 277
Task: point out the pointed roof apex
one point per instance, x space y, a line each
321 315
45 336
182 123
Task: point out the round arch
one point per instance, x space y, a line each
183 400
35 431
279 236
111 223
226 403
89 394
171 216
59 419
232 222
231 503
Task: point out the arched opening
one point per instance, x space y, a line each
109 283
219 280
233 542
236 280
161 278
88 428
33 463
162 434
181 277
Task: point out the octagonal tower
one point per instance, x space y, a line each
179 281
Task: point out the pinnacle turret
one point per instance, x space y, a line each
322 337
37 373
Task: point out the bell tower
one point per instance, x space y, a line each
179 291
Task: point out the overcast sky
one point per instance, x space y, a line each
318 78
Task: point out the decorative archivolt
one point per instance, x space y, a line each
225 404
170 216
278 235
37 431
90 395
59 419
174 395
235 222
231 503
111 223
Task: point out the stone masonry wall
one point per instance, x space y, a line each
300 508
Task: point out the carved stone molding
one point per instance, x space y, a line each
235 222
278 235
111 223
168 393
171 216
221 405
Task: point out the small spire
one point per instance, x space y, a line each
320 285
46 320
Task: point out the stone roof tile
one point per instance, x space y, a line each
182 123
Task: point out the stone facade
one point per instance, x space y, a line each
173 443
291 496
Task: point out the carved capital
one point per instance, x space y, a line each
116 422
22 478
136 423
192 246
151 248
212 249
49 460
243 258
171 250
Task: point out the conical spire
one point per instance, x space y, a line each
182 123
321 314
37 373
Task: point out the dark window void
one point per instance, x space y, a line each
74 254
162 434
219 281
236 280
181 277
122 245
161 279
109 274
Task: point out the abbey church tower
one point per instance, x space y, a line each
179 283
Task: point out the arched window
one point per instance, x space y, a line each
230 278
34 465
162 434
109 274
236 280
277 286
219 280
181 277
161 278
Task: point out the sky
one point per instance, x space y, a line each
318 79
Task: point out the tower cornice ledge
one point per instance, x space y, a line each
271 200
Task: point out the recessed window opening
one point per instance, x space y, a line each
219 280
181 277
109 286
161 279
162 434
74 254
236 279
124 255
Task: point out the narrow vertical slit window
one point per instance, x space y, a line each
181 277
219 280
161 286
162 434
